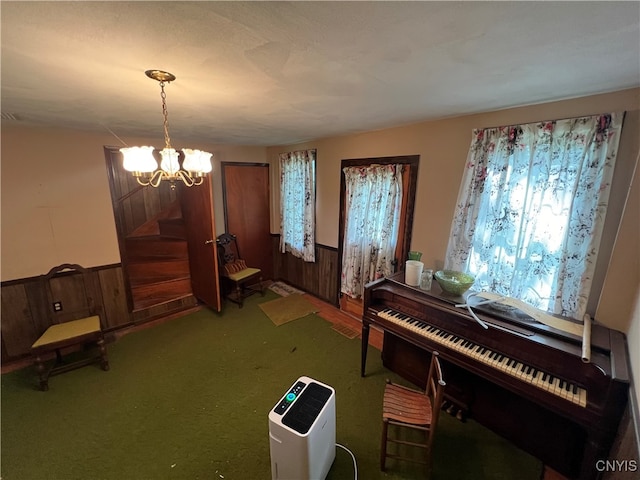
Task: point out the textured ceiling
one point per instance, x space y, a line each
268 73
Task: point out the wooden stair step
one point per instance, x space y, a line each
142 281
158 268
146 303
172 228
154 247
152 225
173 287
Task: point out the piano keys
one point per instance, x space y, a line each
522 372
523 379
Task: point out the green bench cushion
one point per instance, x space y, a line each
65 331
242 274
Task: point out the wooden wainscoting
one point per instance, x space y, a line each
320 278
353 306
27 306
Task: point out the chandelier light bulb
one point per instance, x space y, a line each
169 161
197 161
139 159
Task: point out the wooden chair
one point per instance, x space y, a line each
243 280
72 328
413 409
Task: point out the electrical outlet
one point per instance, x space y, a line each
57 306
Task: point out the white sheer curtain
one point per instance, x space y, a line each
531 209
373 202
297 204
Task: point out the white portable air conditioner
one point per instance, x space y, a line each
302 432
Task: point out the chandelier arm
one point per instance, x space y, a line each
156 178
185 177
198 181
144 184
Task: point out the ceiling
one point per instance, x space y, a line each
270 73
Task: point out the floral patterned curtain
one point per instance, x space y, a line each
373 199
297 204
531 209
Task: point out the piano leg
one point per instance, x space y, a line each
365 346
588 467
596 449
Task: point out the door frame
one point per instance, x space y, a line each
412 161
159 197
121 180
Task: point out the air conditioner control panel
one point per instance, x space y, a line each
289 398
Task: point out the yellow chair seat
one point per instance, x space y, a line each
234 271
65 331
72 334
242 274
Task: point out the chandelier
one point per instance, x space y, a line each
143 165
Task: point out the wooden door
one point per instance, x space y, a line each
198 217
245 189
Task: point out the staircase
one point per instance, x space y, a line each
158 262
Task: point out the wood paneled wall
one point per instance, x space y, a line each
319 278
27 309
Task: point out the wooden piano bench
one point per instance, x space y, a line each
76 333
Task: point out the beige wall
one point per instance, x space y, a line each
56 205
443 146
633 340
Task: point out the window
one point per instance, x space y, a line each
531 209
373 201
297 204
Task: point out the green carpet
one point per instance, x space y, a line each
189 399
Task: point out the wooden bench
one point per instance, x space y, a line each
71 327
82 332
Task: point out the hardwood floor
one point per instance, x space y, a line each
337 316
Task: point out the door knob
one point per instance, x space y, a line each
207 242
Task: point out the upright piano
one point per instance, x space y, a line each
522 379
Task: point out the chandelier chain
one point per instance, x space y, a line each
165 114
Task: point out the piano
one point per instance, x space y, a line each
520 378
